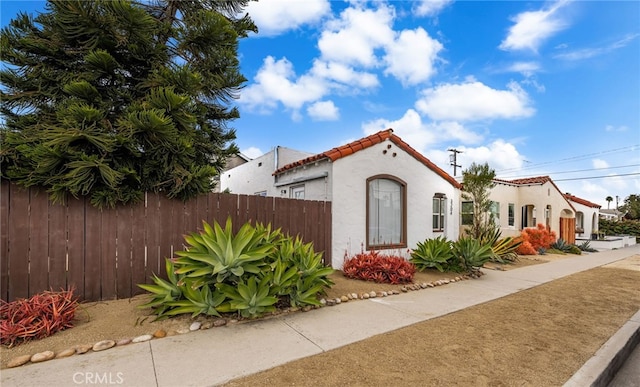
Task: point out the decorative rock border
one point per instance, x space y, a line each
198 325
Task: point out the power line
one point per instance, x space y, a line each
581 170
597 177
574 158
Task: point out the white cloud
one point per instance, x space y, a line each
500 155
276 82
430 7
354 37
411 128
525 68
531 28
587 53
323 111
252 152
344 74
276 17
599 164
471 101
411 57
611 128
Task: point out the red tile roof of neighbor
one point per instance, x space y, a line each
581 201
366 142
538 180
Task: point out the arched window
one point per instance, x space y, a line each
386 212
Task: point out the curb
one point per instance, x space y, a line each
606 362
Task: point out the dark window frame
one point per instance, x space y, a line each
403 223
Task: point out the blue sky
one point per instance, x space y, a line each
533 88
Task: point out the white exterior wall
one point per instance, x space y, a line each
505 194
314 177
590 222
349 193
257 175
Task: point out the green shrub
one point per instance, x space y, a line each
573 249
433 253
248 273
586 246
561 245
471 253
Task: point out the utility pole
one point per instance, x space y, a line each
453 159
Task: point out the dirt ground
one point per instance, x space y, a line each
540 336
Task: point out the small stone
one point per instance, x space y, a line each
404 289
123 341
18 361
458 279
349 296
66 353
446 281
344 299
172 333
423 285
365 296
431 285
141 339
182 331
83 349
195 326
206 325
338 301
294 309
102 345
220 322
160 333
323 301
354 296
383 293
233 321
331 302
372 294
396 292
306 308
42 356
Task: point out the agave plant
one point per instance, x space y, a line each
216 254
433 253
472 253
163 291
202 300
504 250
251 299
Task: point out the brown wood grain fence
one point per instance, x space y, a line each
568 230
105 253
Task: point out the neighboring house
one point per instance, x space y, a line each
521 203
385 195
614 215
586 216
232 162
256 176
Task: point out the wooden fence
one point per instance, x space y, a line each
105 253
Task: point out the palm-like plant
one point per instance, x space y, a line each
433 253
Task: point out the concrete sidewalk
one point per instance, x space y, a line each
203 358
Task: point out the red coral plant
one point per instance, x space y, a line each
37 317
373 266
534 239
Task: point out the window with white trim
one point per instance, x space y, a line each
439 211
297 192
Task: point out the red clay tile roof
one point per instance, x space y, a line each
581 201
366 142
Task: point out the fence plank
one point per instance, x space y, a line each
93 253
76 246
155 261
138 245
57 240
5 197
166 233
38 240
19 244
108 254
123 252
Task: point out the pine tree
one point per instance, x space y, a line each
112 98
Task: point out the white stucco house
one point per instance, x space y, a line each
385 195
522 203
587 214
